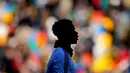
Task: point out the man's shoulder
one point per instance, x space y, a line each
58 53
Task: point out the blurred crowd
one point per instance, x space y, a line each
26 38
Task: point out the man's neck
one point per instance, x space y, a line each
62 42
64 45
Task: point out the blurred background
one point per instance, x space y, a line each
26 39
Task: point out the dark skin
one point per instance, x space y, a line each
66 34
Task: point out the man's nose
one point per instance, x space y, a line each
76 33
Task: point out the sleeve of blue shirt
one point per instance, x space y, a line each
56 61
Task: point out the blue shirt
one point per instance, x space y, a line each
56 62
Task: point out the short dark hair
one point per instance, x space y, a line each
25 21
62 26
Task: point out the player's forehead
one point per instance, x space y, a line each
71 27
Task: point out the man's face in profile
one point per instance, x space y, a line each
65 31
70 35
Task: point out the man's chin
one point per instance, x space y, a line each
74 42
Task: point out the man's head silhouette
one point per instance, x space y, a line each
65 31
